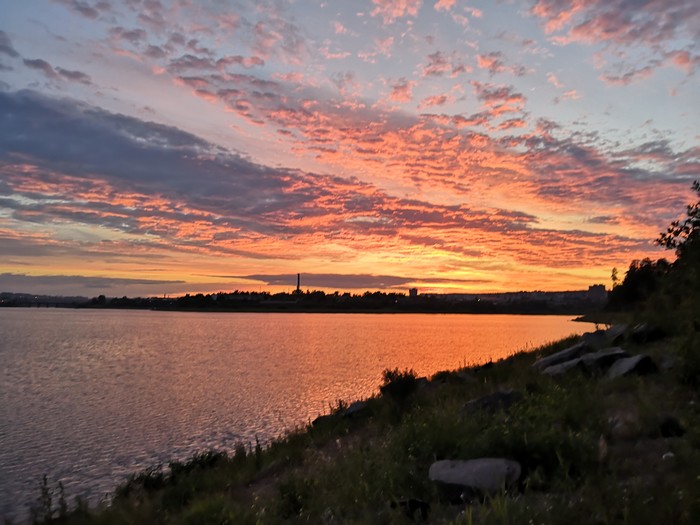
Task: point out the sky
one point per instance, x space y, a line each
152 147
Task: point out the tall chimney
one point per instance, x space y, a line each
298 283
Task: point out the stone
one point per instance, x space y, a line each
603 359
561 357
595 339
592 363
563 368
483 475
501 400
601 338
616 333
637 364
646 333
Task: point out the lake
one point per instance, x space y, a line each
89 396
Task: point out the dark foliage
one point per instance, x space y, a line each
641 281
683 236
398 385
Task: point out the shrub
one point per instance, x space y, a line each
398 385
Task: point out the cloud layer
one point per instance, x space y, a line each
176 141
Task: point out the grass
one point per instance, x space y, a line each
592 451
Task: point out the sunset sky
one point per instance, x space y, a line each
152 147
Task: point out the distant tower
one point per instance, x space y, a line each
413 292
298 290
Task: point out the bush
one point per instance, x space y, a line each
398 385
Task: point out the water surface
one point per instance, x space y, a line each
88 397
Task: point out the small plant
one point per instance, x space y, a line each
43 511
258 453
150 479
203 460
240 453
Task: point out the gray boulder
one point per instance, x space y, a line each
593 363
561 357
646 333
616 333
563 368
483 475
602 360
602 338
637 364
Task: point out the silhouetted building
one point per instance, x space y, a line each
413 292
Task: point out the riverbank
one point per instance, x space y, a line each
588 448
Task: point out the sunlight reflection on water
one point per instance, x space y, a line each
88 397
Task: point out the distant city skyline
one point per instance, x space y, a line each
152 147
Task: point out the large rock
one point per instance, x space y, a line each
483 475
593 363
501 400
563 368
646 333
561 357
616 333
602 338
637 364
602 360
356 409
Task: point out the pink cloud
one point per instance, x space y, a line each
684 60
402 90
497 95
390 10
435 100
617 25
384 45
440 64
513 123
628 75
557 13
329 55
339 29
494 63
445 5
552 79
276 37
